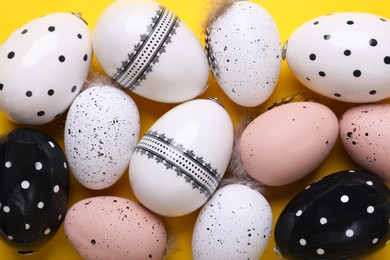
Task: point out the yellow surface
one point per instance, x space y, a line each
288 14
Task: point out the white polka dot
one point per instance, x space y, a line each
351 171
369 183
6 209
320 251
38 166
47 231
8 164
40 205
349 233
387 242
56 189
299 212
60 217
302 242
370 209
25 185
308 187
344 199
375 240
323 221
27 226
65 166
51 144
10 237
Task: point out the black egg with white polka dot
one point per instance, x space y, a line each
344 215
34 188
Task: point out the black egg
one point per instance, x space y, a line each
343 215
34 188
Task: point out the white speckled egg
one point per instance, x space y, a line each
114 228
148 49
101 130
43 66
343 56
245 53
179 162
236 223
365 135
288 142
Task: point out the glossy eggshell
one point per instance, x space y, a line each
346 214
244 51
43 66
148 49
344 56
34 187
365 135
114 228
101 130
236 223
288 142
179 162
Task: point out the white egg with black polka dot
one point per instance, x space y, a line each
344 56
43 65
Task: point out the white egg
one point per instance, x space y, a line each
179 162
101 130
236 223
148 49
43 66
245 53
343 56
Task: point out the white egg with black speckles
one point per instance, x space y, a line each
244 51
236 223
102 128
114 228
365 135
343 56
43 65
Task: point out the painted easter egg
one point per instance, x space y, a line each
244 51
43 66
146 48
344 215
343 56
235 223
364 133
34 187
179 162
101 130
114 228
288 142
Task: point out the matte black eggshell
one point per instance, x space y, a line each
34 187
343 215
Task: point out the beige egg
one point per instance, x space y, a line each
364 133
114 228
288 142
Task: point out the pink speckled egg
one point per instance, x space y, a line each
114 228
288 142
365 135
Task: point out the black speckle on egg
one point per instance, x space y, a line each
350 22
24 31
93 241
61 58
28 93
386 60
79 36
50 92
312 57
85 58
322 74
1 86
327 36
373 42
41 113
316 22
11 55
51 28
74 89
337 94
357 73
347 52
372 92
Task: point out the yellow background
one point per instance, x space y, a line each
288 15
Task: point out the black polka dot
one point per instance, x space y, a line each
79 36
74 89
41 113
308 79
372 92
326 36
347 52
85 58
51 29
373 42
387 60
28 93
1 86
50 92
312 56
337 95
61 58
11 55
357 73
316 22
322 74
93 241
383 19
24 31
350 22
